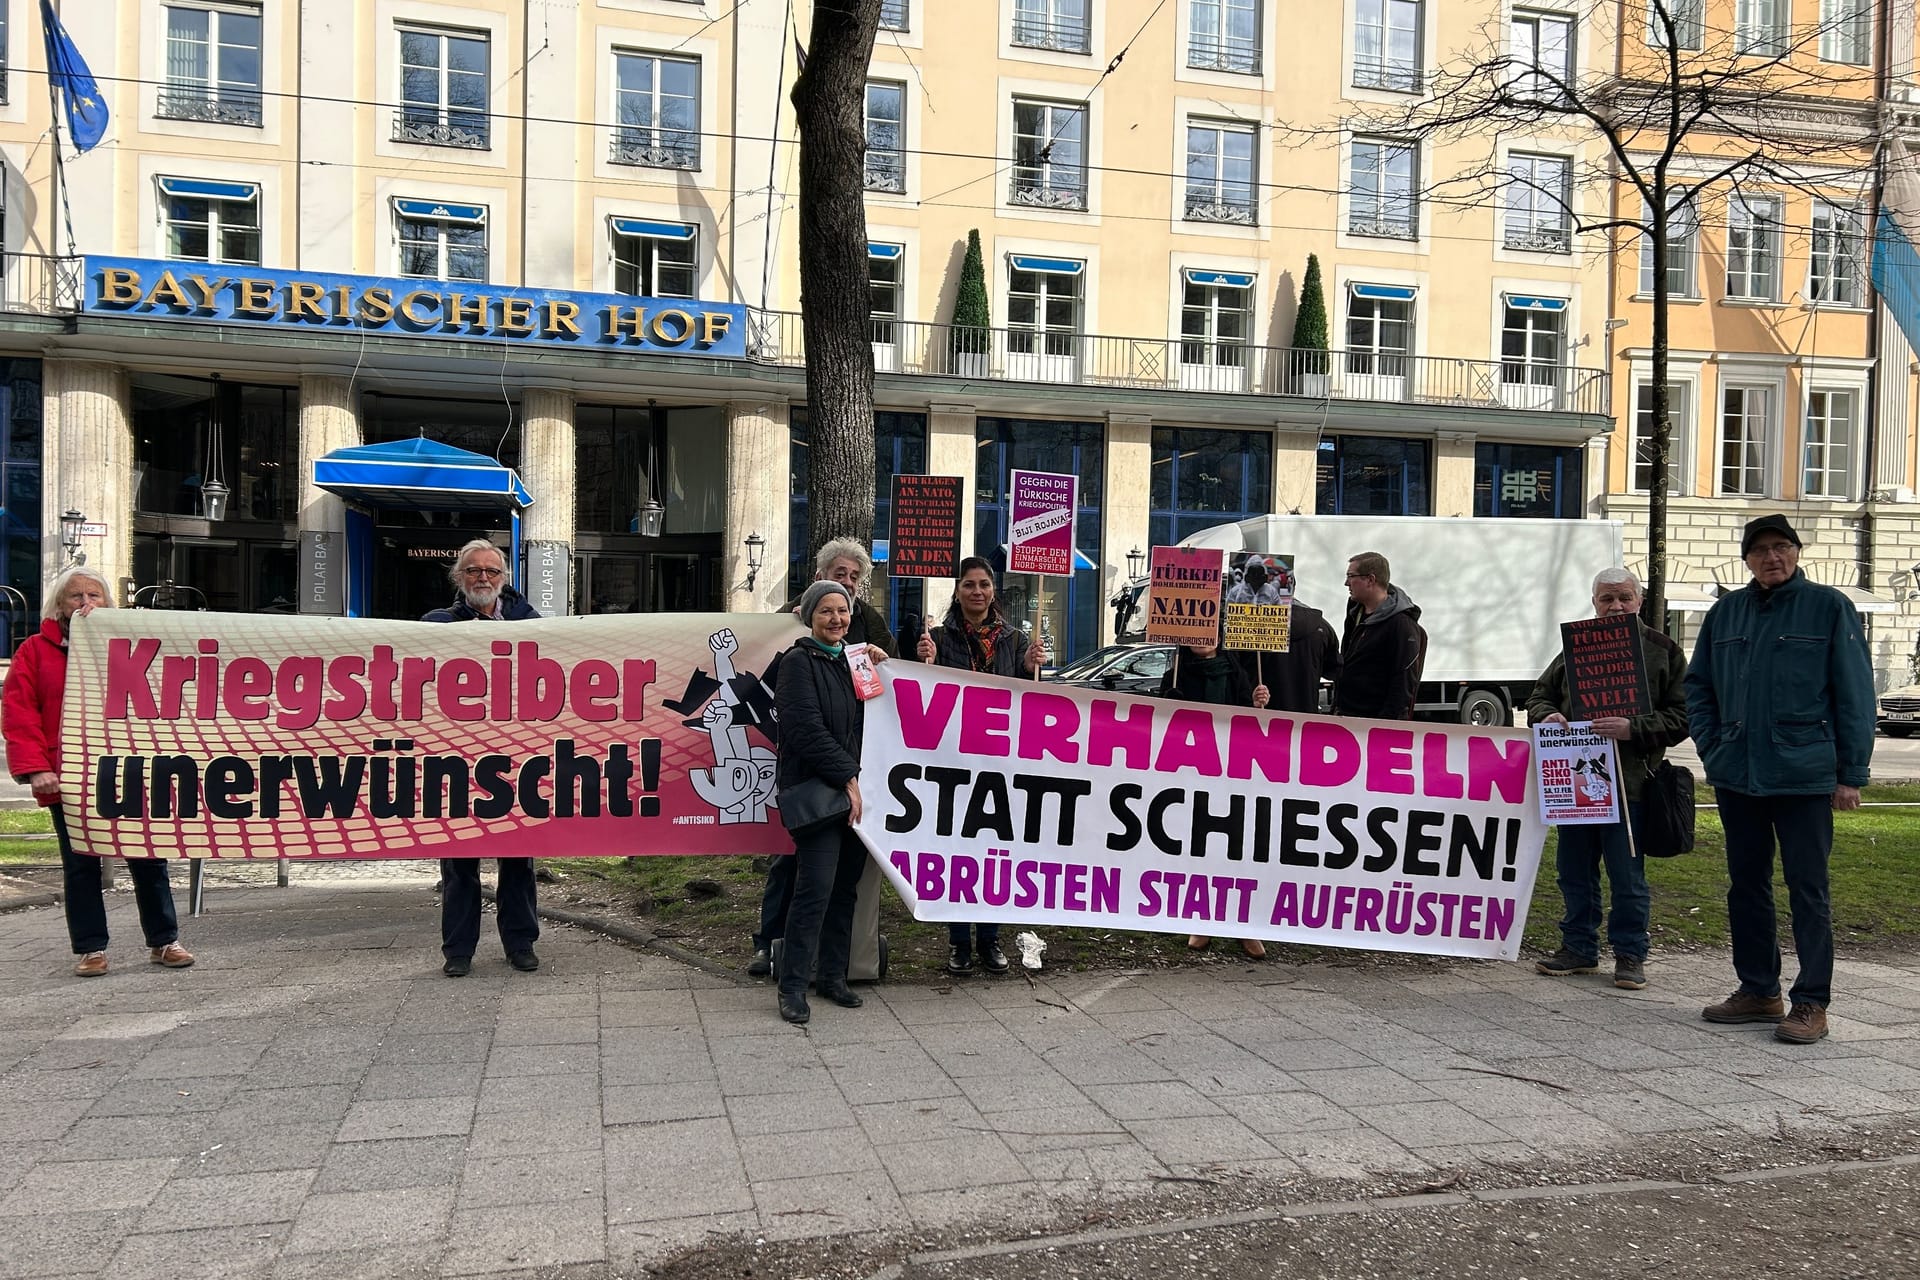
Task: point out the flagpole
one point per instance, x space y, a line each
53 205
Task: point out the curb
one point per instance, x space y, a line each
29 901
640 938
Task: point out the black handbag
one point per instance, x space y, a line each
813 803
1664 828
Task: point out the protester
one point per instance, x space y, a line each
30 720
846 562
1584 848
1293 677
1254 584
820 728
976 636
1207 674
483 592
1380 647
1780 699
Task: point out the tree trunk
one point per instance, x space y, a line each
829 99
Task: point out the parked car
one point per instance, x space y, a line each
1119 668
1900 711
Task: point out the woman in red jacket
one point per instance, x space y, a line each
30 719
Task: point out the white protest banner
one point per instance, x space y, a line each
996 800
1575 772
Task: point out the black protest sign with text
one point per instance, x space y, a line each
926 527
1606 671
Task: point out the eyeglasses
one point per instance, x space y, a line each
474 571
1358 576
1773 549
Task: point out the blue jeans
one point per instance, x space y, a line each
86 904
1581 853
1804 828
516 911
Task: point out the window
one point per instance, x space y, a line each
1049 155
1834 274
886 119
1220 174
442 241
213 64
1386 45
1526 480
1846 31
1533 341
1216 319
883 290
1539 200
655 259
1201 479
1687 19
1746 432
656 111
443 89
1827 455
1379 330
1059 25
1753 248
1543 42
1077 448
211 221
900 448
1760 27
1679 436
893 15
1373 476
1224 35
1383 202
1683 243
6 50
1043 306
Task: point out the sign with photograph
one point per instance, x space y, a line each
1577 772
1258 603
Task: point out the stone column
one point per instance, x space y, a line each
952 451
327 422
759 470
87 461
546 528
1453 473
1296 469
1126 499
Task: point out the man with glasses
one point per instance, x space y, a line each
482 593
1382 647
1780 700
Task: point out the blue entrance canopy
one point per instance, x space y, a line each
420 475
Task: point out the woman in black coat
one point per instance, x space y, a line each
976 636
1207 673
820 728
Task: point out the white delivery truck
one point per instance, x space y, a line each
1492 593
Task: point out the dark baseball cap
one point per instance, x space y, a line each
1766 524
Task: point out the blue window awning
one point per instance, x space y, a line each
885 252
1383 292
1228 279
420 475
1526 302
207 189
651 229
441 209
1049 266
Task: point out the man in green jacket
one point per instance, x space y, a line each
1780 699
1584 849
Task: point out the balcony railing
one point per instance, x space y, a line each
208 106
1544 239
1211 53
1059 189
1385 226
656 149
464 130
1396 77
893 15
36 284
1063 36
886 171
1210 208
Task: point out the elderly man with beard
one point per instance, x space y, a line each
483 593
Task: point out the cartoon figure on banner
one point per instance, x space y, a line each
1591 783
741 783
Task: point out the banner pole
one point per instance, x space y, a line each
1039 616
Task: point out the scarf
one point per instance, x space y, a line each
982 640
1212 673
831 650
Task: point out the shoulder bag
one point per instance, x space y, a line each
812 804
1664 828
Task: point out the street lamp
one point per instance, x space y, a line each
213 485
651 516
756 553
1136 561
71 524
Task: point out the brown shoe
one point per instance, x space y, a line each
91 965
1255 949
1806 1024
1744 1006
173 956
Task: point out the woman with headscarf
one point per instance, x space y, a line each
976 636
30 720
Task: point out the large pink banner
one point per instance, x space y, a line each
192 735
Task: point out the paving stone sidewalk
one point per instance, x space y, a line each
315 1099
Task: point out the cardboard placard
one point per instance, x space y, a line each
1183 596
926 527
1606 670
1042 505
1258 602
1576 772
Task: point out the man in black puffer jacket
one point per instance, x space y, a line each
1380 651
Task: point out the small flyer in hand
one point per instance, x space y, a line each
866 677
1577 771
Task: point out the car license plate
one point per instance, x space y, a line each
1900 715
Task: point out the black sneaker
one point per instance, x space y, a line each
457 966
1564 962
761 965
524 961
960 961
992 958
1630 972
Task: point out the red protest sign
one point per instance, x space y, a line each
926 527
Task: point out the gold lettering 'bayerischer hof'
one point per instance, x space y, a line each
423 310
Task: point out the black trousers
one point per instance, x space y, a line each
775 901
518 915
1803 825
86 903
827 867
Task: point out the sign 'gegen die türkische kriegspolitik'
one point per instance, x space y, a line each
158 289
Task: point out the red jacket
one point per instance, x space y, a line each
30 703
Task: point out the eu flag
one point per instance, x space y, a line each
67 71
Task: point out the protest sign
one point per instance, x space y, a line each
1258 603
245 735
1183 596
1041 511
1576 771
925 538
1606 670
988 799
